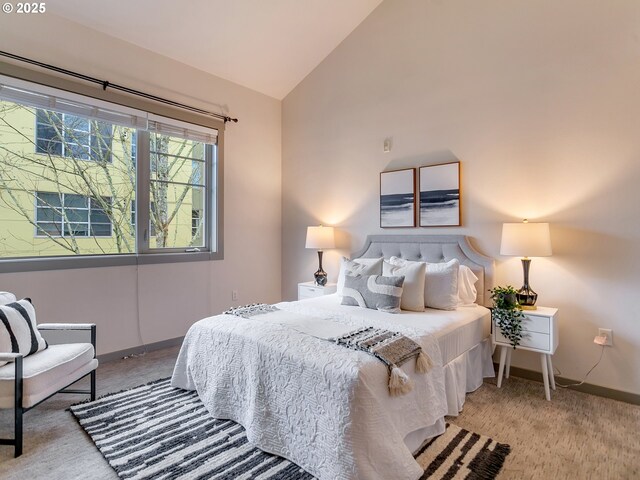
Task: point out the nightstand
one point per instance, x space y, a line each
539 334
310 290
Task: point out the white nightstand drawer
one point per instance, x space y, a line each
534 340
311 290
305 291
537 324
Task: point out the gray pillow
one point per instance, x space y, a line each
373 291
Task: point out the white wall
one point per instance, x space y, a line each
538 100
167 298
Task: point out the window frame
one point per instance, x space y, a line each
214 204
144 198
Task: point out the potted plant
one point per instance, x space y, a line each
507 313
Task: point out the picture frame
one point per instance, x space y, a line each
398 198
439 195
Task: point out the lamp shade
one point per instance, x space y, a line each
320 238
525 239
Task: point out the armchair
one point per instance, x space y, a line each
28 381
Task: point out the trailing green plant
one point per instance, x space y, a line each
507 313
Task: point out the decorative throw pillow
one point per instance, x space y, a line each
7 297
467 286
413 288
373 291
441 283
359 266
18 329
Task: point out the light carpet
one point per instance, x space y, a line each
157 431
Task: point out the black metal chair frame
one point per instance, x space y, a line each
19 410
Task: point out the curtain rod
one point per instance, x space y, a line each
106 84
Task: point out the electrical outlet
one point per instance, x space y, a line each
234 295
606 332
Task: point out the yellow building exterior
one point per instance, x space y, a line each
68 186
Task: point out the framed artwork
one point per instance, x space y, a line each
398 198
440 195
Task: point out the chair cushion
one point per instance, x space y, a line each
46 372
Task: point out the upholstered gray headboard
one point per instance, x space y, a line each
434 249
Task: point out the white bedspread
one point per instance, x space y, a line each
320 405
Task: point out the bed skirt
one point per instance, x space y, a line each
462 375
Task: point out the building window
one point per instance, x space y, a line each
73 136
71 215
134 147
195 223
98 172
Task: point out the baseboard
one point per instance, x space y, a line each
150 347
619 395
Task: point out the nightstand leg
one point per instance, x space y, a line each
551 376
503 356
508 367
545 375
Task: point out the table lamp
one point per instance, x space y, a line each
526 240
320 238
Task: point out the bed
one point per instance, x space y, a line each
327 408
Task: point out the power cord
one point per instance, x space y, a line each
585 377
142 344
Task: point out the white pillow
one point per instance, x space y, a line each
413 288
441 283
7 297
361 266
467 286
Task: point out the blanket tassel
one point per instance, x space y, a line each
399 382
423 363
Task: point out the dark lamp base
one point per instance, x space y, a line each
321 278
320 275
527 298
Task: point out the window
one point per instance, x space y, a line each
73 136
176 190
80 176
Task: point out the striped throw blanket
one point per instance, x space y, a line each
391 348
251 310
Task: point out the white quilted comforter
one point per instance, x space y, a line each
320 405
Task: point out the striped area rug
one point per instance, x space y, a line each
458 453
157 431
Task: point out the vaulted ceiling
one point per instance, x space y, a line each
266 45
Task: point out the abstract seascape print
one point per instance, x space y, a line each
440 195
397 198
